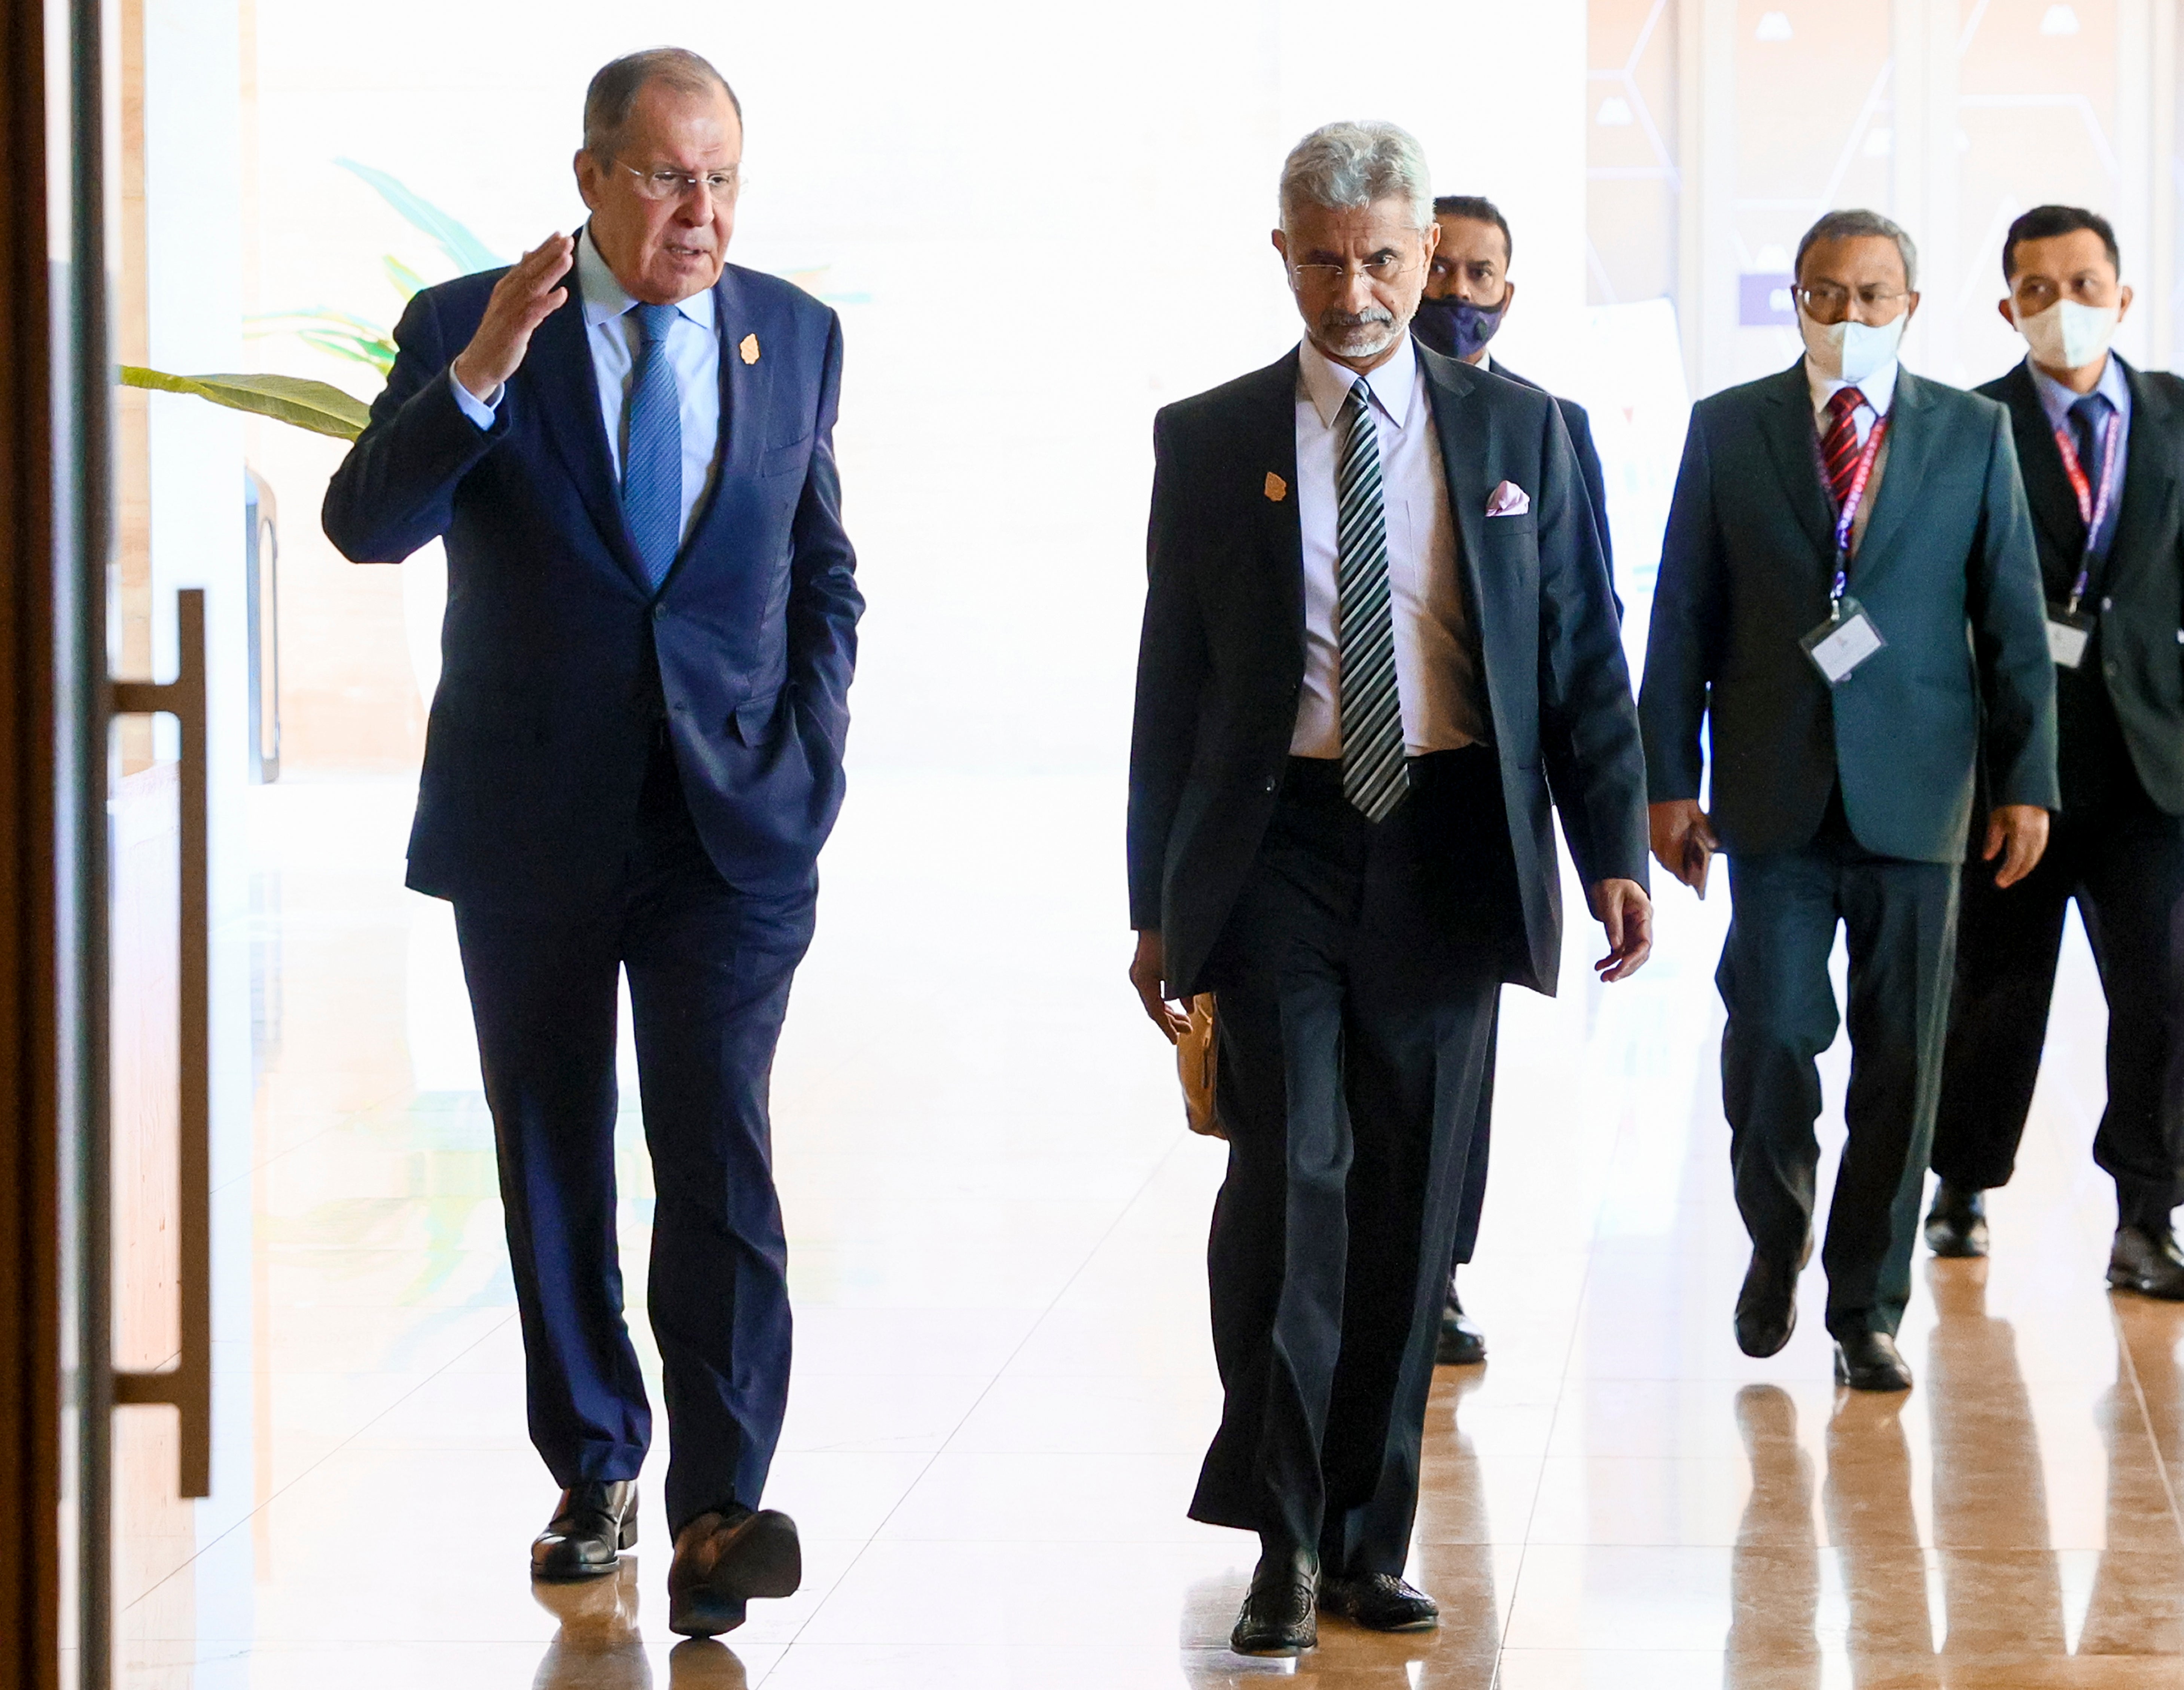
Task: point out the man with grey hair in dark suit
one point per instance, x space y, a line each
1849 602
1378 627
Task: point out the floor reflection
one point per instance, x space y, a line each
599 1645
1981 1590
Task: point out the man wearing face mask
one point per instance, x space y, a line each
1376 628
2098 443
1468 297
1849 603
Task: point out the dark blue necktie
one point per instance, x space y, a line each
651 448
2089 421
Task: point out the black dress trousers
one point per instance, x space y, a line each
2123 861
709 967
1358 978
1898 919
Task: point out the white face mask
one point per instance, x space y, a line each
2068 336
1848 351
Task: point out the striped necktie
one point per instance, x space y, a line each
651 448
1374 776
1839 451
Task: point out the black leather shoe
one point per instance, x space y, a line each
1461 1344
1279 1616
725 1557
596 1520
2145 1259
1380 1601
1767 1307
1956 1225
1870 1361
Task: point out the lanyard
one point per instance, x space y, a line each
2092 508
1848 516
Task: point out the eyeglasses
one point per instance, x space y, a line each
666 184
1383 269
1829 304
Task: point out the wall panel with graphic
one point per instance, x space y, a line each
1719 128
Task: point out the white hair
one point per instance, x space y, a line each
1347 167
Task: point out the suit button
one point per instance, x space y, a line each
2108 603
1272 782
660 613
2110 668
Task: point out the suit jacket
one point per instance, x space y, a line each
2130 686
559 661
1947 572
1579 424
1221 660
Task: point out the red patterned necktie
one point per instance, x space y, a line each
1839 449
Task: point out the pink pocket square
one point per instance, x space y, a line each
1509 499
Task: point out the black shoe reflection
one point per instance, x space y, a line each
703 1664
598 1646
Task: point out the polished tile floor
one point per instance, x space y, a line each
1003 1381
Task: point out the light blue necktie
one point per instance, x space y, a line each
651 448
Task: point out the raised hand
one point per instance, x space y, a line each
522 300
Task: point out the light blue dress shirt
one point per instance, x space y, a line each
693 346
2056 401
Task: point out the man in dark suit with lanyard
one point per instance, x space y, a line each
1468 297
2099 445
1849 602
634 755
1377 634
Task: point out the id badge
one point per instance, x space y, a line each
2069 633
1839 644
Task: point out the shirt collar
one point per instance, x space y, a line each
1879 388
2056 400
605 298
1327 384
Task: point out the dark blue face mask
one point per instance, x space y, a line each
1456 327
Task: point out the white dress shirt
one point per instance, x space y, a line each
1876 390
612 332
1436 675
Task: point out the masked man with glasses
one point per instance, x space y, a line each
2100 445
1378 648
1849 604
634 755
1468 297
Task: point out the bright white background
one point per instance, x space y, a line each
1040 224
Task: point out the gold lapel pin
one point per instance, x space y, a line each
747 348
1277 489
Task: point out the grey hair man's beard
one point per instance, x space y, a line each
1337 327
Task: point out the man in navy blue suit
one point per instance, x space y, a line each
634 755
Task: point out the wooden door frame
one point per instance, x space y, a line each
31 1059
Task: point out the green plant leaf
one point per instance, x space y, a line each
336 332
463 250
407 283
314 405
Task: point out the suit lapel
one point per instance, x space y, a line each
745 392
560 366
1910 445
1787 424
2149 474
1268 442
2046 488
1452 386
